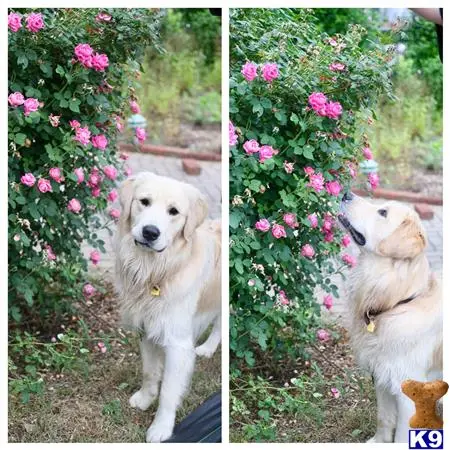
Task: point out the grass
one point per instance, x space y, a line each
292 402
89 402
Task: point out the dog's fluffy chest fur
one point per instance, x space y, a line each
406 336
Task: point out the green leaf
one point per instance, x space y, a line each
74 105
22 60
19 138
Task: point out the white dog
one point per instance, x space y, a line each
395 307
168 280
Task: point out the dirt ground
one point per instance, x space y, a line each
93 406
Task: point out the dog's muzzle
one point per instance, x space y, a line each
358 237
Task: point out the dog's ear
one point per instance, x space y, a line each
198 210
406 242
126 197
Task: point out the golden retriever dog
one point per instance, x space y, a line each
395 307
168 280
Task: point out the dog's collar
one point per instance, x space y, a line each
155 291
370 315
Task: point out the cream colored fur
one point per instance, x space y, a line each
184 263
407 341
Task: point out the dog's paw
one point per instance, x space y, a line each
372 440
159 431
204 350
141 399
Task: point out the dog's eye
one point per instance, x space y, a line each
145 201
173 211
382 212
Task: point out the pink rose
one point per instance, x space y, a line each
262 225
266 152
16 99
333 110
114 213
313 220
328 301
28 179
333 188
30 105
308 170
374 180
82 135
74 124
44 185
84 53
34 22
113 195
110 172
103 17
128 171
74 206
335 392
283 299
367 153
249 70
317 101
337 67
290 219
351 170
251 146
120 126
14 22
232 136
270 72
79 172
288 166
95 191
278 231
123 156
251 282
308 251
88 290
349 260
134 107
346 240
328 236
99 62
141 135
102 347
94 257
316 181
49 252
55 174
323 335
99 141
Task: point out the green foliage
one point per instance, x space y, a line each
276 114
407 122
422 49
187 74
41 66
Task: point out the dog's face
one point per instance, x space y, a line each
392 229
158 210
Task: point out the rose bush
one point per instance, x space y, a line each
72 75
300 104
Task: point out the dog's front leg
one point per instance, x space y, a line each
406 410
386 415
152 364
210 345
179 365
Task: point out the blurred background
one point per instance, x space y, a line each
180 87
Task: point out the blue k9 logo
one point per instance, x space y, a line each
426 439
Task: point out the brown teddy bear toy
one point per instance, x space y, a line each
425 395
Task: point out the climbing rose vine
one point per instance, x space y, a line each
300 102
72 75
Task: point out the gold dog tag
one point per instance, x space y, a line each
371 326
155 291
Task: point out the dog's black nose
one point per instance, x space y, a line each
348 196
150 233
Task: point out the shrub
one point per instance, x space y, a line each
52 210
293 153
